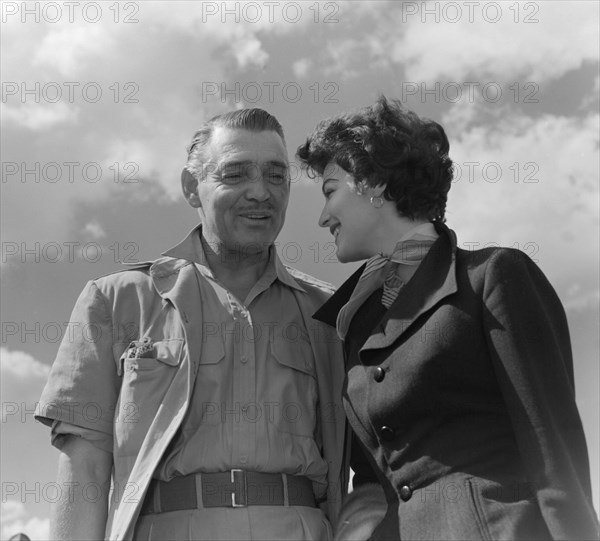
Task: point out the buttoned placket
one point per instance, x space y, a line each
244 384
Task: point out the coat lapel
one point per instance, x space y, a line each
176 282
180 287
329 365
329 311
434 280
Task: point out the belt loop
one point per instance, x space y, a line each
286 496
156 497
198 483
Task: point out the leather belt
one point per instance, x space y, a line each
234 488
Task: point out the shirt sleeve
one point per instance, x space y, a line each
98 439
529 342
83 385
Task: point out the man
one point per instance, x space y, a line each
200 380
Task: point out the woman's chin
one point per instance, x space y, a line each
345 257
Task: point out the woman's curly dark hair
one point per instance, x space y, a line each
386 144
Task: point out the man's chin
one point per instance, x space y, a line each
254 245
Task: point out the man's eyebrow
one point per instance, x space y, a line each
277 163
225 164
272 163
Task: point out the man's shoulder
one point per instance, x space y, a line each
310 282
140 272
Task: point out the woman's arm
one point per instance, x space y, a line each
364 508
529 343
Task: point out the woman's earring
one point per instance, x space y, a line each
376 201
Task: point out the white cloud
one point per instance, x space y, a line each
577 299
21 365
158 156
301 67
465 41
68 47
15 520
538 178
564 38
343 54
94 230
248 52
39 117
23 379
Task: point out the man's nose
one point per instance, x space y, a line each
257 188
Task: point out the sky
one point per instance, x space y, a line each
100 99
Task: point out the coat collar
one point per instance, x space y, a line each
434 280
329 311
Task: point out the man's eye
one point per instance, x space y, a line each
232 177
276 178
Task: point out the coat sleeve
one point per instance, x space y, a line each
529 343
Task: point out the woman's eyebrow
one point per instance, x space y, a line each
326 181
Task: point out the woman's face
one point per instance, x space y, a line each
349 215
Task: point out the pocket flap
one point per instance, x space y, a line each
167 351
297 355
213 349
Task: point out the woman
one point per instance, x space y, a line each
459 388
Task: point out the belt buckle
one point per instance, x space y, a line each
242 485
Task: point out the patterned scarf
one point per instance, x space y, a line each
382 270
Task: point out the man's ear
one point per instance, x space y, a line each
189 185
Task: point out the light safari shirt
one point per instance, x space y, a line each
225 384
254 401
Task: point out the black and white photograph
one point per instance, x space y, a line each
300 270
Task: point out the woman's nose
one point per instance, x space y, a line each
324 218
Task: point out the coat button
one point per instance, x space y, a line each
405 493
387 433
379 374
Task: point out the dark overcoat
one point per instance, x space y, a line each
462 401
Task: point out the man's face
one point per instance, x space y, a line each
245 190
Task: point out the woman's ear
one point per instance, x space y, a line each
378 190
189 185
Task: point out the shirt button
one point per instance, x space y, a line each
243 359
243 459
379 374
387 433
405 493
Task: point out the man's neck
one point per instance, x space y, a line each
238 270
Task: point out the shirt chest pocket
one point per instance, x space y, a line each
158 355
147 375
213 349
294 390
212 374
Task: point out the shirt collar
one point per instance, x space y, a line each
191 249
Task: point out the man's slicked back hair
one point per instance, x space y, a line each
243 119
